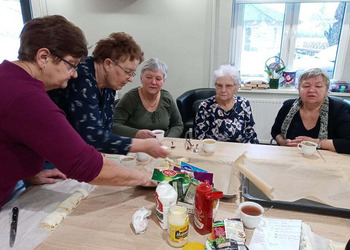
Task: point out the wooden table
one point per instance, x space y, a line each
103 220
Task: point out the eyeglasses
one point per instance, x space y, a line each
129 73
228 86
73 68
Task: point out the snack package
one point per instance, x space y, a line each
197 173
166 175
227 234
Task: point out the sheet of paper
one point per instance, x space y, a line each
276 234
34 205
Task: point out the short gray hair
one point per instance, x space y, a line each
314 72
227 70
154 64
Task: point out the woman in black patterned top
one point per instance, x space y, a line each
226 116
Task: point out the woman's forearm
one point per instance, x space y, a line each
115 174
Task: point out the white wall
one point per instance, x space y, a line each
183 33
191 36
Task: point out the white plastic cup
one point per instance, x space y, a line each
209 145
307 147
250 213
128 160
159 134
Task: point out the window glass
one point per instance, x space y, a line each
11 25
304 35
318 34
262 36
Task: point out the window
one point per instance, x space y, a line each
13 13
303 35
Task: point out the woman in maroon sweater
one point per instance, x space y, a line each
33 129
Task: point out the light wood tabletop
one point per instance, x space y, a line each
103 220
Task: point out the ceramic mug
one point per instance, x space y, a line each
209 145
307 147
250 213
159 134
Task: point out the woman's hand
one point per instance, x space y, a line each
151 146
306 138
144 134
287 142
47 176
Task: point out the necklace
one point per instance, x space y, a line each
151 106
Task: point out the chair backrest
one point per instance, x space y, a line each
188 103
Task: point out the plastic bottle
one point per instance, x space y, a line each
166 196
203 207
177 226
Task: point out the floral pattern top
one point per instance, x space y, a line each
235 125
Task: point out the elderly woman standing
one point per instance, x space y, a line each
148 107
226 116
33 129
88 100
313 116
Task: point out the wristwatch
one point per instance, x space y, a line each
319 144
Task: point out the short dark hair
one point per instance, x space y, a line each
118 46
55 33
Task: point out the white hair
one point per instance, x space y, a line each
227 70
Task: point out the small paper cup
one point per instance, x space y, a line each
128 160
159 134
250 213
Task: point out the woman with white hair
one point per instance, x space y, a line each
226 116
148 107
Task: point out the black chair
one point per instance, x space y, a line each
188 104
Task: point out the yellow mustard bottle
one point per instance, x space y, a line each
177 226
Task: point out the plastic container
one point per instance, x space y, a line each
177 226
203 207
166 196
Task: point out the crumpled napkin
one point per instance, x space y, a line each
140 221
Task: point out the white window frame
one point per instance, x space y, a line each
289 33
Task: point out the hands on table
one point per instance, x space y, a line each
293 143
47 176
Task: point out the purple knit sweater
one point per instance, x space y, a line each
33 129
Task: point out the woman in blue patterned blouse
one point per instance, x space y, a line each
89 97
226 116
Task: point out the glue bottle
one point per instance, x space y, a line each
166 196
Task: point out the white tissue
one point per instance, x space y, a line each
140 221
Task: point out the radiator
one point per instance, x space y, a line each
264 113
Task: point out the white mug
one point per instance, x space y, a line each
250 213
209 145
307 147
159 134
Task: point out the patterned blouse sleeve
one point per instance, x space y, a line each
85 115
201 121
249 132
